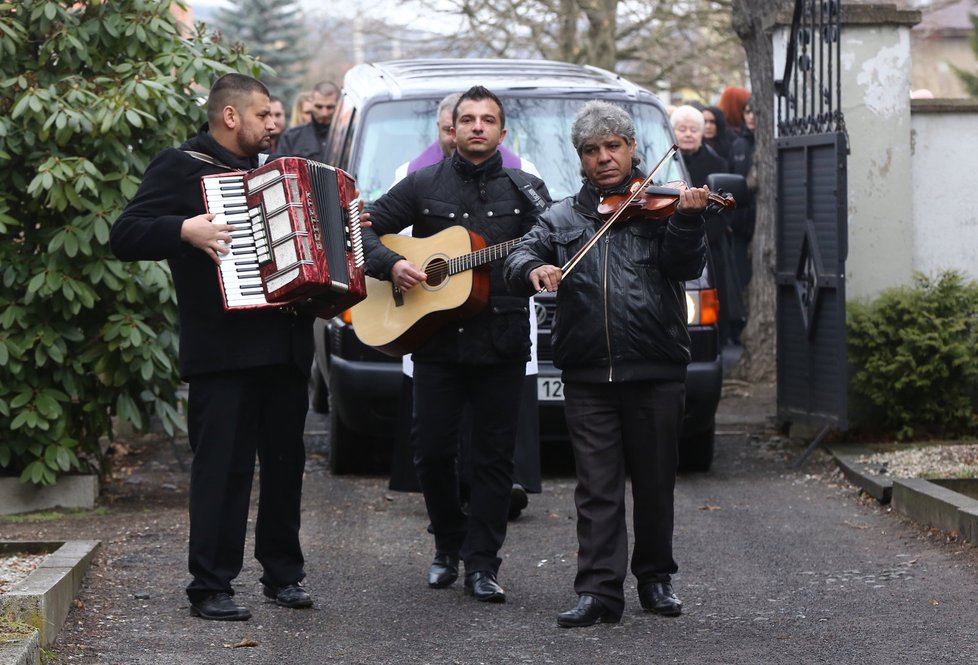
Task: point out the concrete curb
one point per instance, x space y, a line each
69 492
43 599
932 503
26 651
865 476
936 506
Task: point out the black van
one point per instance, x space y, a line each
385 117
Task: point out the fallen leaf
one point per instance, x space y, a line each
856 526
243 643
934 602
709 507
79 604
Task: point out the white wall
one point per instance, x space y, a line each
944 170
876 81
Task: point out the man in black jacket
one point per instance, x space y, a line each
310 140
479 360
620 338
246 369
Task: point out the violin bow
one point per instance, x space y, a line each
636 192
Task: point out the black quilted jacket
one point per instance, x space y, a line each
485 200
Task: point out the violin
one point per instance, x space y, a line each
656 202
643 198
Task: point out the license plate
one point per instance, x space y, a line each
550 389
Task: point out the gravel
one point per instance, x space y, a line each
929 461
15 567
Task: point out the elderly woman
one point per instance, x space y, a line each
701 161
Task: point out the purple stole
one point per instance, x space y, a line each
432 155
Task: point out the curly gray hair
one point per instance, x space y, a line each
598 118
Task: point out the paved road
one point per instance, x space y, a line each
777 566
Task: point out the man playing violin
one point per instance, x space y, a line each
621 342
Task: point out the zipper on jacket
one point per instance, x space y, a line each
607 329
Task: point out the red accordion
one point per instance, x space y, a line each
296 236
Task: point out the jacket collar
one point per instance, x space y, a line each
206 143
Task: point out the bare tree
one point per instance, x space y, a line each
753 20
659 43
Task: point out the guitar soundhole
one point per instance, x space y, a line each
437 271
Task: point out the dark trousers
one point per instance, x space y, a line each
526 456
231 416
441 393
616 428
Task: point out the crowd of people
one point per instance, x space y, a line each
624 397
720 139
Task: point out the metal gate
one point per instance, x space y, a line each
811 224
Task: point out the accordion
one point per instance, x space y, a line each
296 236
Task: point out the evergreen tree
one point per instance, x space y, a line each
273 33
89 93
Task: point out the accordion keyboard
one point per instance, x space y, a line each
240 277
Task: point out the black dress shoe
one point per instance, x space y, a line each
660 598
588 612
443 571
219 607
482 584
517 501
291 595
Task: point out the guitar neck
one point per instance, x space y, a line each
481 257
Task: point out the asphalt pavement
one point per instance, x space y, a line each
776 566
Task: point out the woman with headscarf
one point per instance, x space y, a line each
715 132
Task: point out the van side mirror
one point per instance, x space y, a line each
729 183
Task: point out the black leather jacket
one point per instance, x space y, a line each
483 198
621 313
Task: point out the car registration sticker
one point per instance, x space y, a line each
550 389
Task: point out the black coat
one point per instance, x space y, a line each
309 141
702 163
211 340
621 314
483 199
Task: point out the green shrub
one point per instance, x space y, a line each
914 353
89 92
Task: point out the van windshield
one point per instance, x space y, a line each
537 129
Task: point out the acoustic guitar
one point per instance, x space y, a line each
398 322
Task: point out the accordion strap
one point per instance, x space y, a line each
262 158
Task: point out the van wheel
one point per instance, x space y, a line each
344 456
696 451
318 390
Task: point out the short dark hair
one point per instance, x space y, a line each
327 88
477 93
231 90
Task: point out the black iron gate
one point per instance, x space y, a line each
811 236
